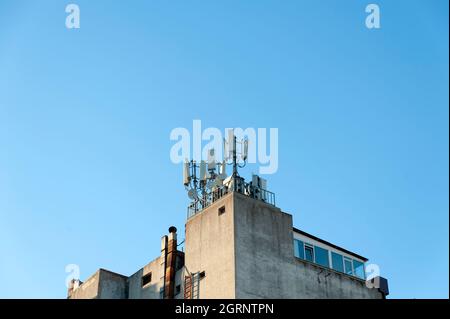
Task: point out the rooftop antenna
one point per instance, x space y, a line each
245 151
202 179
186 173
232 153
202 171
211 159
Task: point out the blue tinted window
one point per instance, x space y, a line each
299 249
338 262
309 253
348 266
322 256
359 269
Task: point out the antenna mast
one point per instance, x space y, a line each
208 185
235 172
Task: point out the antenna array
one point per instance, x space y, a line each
212 173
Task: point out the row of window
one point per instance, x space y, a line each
328 259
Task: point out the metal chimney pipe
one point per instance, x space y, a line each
171 257
164 261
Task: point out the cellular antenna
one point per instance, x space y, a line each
186 173
211 159
207 181
231 144
245 151
202 171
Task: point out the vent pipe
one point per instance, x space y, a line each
171 256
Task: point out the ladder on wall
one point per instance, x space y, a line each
191 286
188 287
195 285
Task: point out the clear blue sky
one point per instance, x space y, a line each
85 117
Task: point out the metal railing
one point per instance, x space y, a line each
240 186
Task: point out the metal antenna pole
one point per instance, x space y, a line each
194 178
235 172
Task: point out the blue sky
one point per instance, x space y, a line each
85 118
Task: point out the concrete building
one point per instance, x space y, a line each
238 244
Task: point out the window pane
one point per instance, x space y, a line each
299 250
348 266
359 269
338 262
309 253
322 256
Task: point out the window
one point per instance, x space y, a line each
309 253
222 210
321 256
330 259
348 266
146 279
359 269
299 249
337 262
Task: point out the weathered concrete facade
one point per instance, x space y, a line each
247 252
103 284
264 246
210 248
238 247
153 290
264 250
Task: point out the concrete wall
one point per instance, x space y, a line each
313 282
179 281
265 262
150 290
153 288
105 284
209 247
264 249
248 252
112 285
89 288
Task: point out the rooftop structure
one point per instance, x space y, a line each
238 244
